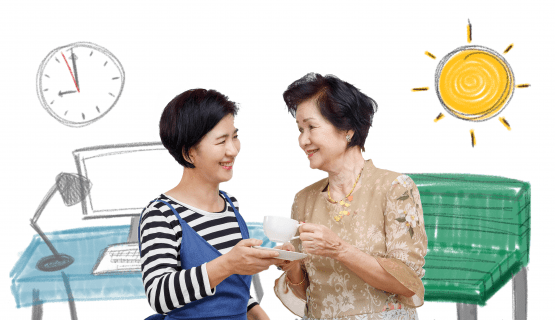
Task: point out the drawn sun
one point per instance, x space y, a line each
474 83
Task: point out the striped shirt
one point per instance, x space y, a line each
167 285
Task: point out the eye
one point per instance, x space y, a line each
221 142
236 136
310 127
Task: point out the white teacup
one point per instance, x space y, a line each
280 229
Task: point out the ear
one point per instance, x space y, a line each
350 133
192 155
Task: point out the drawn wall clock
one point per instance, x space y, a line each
79 83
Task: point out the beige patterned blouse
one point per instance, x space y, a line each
385 221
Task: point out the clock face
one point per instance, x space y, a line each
79 83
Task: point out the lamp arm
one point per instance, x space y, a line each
36 217
45 238
43 204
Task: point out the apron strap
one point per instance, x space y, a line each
240 221
141 218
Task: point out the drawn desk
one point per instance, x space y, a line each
32 287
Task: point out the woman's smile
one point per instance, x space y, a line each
311 152
227 165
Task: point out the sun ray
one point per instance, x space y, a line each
508 48
472 137
439 117
430 55
421 89
505 123
469 32
525 85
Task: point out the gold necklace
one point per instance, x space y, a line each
342 202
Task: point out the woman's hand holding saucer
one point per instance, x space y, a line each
287 265
320 240
245 260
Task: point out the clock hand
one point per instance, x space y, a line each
61 94
73 58
76 86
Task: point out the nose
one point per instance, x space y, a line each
232 149
304 140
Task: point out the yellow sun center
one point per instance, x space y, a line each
474 83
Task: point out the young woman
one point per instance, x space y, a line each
196 255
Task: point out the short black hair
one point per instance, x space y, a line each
341 103
189 117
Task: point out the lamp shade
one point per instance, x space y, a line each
72 187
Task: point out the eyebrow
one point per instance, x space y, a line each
305 120
227 135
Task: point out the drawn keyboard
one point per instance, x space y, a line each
125 255
117 258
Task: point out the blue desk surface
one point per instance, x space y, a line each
85 245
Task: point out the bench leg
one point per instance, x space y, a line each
467 311
257 287
520 292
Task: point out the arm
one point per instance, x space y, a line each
400 271
161 275
257 313
368 269
295 276
293 296
320 240
218 270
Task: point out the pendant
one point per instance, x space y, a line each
344 212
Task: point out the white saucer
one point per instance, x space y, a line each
285 255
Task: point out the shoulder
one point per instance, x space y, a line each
232 198
387 177
401 187
311 190
157 208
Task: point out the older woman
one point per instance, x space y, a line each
363 232
196 257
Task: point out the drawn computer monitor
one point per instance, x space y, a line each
125 177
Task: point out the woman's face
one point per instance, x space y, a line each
322 143
215 154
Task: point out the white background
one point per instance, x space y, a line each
251 51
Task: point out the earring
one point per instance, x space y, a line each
348 138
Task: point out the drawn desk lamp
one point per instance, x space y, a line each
73 188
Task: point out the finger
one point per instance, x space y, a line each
307 237
269 262
275 261
250 242
288 246
263 254
308 227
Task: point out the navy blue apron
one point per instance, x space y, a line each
232 295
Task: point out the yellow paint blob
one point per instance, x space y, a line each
474 83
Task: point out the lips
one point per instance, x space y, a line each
227 165
311 152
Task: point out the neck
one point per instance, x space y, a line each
343 175
194 190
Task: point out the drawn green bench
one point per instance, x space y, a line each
478 230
